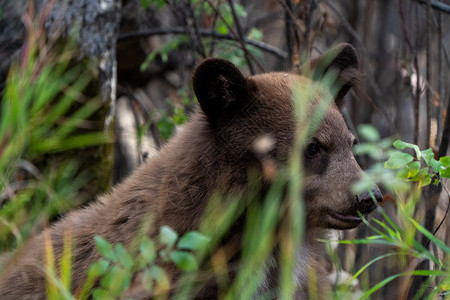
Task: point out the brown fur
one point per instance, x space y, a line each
213 153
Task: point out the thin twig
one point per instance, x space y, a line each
191 29
291 20
292 16
288 30
440 72
444 217
213 25
241 37
443 147
428 74
416 67
195 26
437 5
416 96
405 30
205 33
264 20
230 29
379 102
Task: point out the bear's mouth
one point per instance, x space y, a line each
347 218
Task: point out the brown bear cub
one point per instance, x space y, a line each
213 154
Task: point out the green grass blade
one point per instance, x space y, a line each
373 261
430 236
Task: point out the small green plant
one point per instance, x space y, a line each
119 264
166 123
42 110
410 166
398 175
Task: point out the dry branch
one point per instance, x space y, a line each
437 5
205 33
241 37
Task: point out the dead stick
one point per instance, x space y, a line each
241 37
203 32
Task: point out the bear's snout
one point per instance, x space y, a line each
365 203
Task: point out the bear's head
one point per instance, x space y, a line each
240 112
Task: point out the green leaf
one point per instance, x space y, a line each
145 3
414 168
179 116
107 279
116 280
445 172
397 160
160 277
157 272
101 294
98 268
121 280
147 249
105 248
369 133
124 257
221 28
421 175
366 148
167 236
426 181
410 170
240 10
166 126
193 241
428 156
399 144
183 260
402 145
436 165
445 161
255 34
445 167
147 280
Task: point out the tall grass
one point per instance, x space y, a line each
42 113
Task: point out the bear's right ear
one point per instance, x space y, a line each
219 86
342 59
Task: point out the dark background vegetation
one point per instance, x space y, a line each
144 51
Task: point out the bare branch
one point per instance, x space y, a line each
430 109
379 103
195 26
241 37
206 33
437 5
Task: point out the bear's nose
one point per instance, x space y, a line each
365 203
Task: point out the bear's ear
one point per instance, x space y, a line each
343 59
219 86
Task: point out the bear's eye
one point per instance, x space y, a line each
312 150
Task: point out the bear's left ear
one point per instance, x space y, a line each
343 59
219 87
